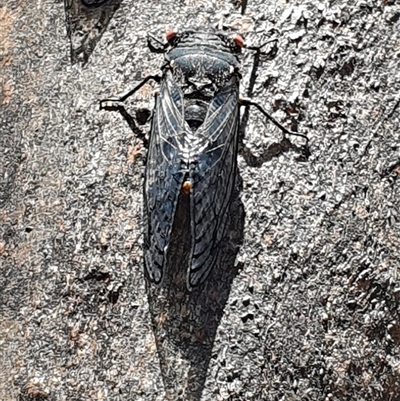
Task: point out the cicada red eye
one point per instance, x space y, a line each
239 42
171 34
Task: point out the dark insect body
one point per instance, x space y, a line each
94 3
193 147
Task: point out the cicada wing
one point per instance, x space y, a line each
213 178
163 178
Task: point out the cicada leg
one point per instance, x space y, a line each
116 104
248 102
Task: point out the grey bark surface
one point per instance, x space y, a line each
307 308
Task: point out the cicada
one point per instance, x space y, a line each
193 146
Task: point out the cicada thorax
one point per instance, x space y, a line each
203 61
201 72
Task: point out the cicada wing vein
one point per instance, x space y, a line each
165 171
213 177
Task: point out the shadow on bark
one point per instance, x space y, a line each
86 22
185 323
